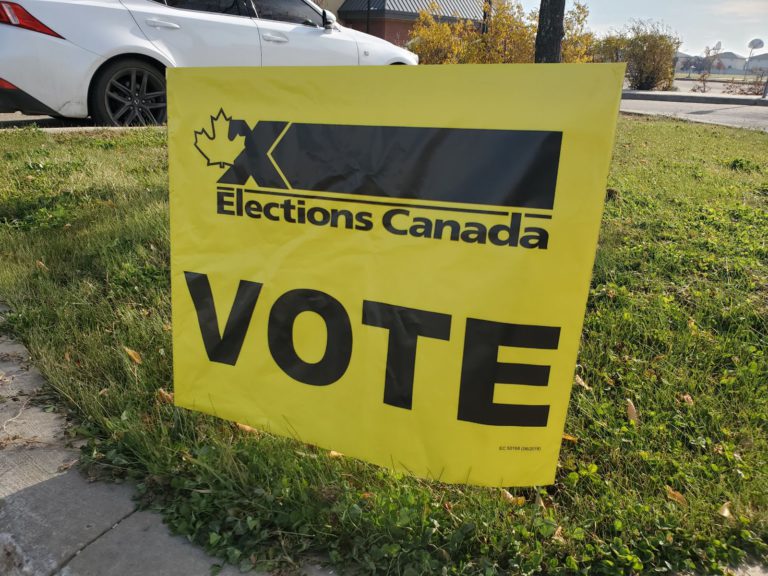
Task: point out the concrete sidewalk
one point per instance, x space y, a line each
53 521
688 97
751 117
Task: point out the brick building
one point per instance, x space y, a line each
393 19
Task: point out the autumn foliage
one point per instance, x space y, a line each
507 36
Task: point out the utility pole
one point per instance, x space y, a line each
549 35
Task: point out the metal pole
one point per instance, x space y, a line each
368 18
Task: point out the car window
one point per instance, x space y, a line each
217 6
294 11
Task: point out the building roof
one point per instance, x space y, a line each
730 55
463 9
759 57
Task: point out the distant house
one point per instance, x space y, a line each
758 63
729 62
393 19
682 61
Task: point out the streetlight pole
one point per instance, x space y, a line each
368 18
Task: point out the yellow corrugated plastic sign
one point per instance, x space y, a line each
390 262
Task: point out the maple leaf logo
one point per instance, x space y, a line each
217 147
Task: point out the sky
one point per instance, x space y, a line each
698 23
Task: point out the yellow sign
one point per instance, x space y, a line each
390 262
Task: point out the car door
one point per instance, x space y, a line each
292 34
200 32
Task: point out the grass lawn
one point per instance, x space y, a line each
677 322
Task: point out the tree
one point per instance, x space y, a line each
437 41
610 48
550 32
579 41
509 36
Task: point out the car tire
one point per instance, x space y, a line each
129 92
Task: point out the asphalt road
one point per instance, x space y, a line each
755 117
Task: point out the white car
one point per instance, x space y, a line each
106 58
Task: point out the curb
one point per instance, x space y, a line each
693 98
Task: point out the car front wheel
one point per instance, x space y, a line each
129 92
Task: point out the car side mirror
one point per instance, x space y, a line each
329 20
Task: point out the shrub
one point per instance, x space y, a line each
649 50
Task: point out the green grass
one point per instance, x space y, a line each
677 322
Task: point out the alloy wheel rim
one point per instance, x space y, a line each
136 97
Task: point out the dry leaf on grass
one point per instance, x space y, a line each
514 500
632 412
725 510
246 428
558 535
673 494
133 355
334 454
580 382
41 266
570 438
164 396
687 399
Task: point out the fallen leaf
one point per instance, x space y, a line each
246 428
673 494
133 355
631 412
570 438
366 495
687 399
725 510
66 466
165 396
41 265
103 391
514 500
558 535
167 327
334 454
67 358
580 382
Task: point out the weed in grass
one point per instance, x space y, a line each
677 323
744 165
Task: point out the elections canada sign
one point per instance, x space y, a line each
389 262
